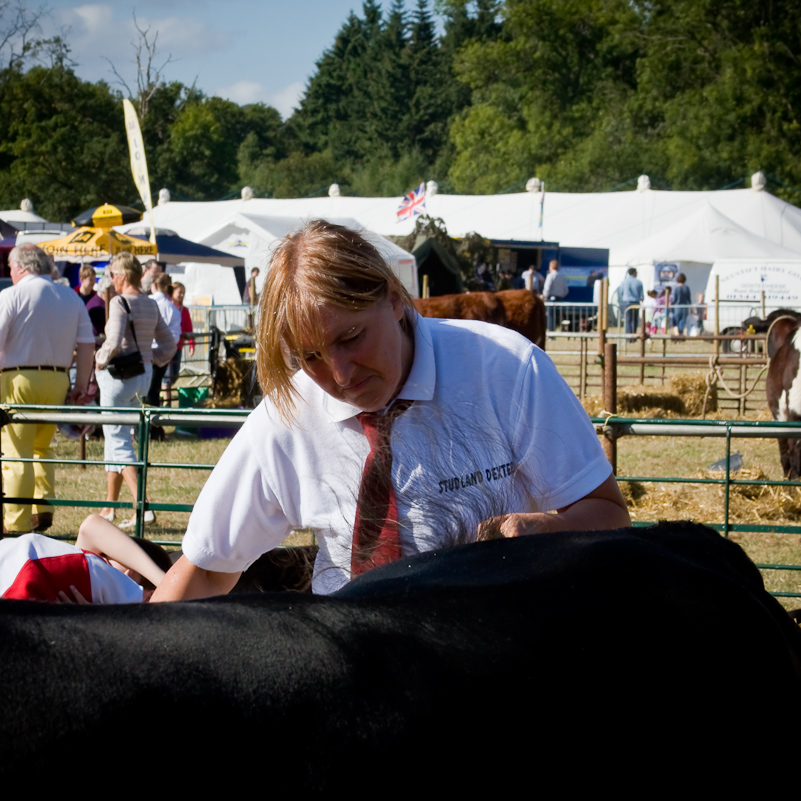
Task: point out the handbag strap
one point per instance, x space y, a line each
130 320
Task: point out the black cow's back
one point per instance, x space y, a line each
479 667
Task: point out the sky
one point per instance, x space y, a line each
248 51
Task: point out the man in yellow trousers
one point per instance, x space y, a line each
42 324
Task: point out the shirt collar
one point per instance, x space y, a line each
419 385
30 276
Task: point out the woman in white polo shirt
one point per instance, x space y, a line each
482 427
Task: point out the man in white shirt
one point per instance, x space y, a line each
555 290
42 324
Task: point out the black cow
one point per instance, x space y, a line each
553 661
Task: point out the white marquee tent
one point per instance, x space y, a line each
252 236
694 244
643 225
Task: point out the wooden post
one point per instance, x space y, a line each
743 379
610 399
425 286
642 344
583 367
763 307
717 315
603 316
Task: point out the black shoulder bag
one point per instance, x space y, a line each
130 365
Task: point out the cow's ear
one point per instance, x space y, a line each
780 329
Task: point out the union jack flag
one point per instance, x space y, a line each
413 204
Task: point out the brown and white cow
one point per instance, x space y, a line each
783 386
517 309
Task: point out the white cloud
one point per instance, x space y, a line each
101 31
245 92
94 17
288 99
185 35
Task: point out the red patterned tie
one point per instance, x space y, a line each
375 533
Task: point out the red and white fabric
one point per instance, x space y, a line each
35 568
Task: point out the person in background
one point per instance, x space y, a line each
151 269
86 288
250 296
555 289
649 311
630 294
145 324
161 288
42 326
178 295
532 280
104 566
680 301
698 315
96 306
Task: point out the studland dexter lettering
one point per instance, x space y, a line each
476 477
501 471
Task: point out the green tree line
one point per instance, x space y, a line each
585 94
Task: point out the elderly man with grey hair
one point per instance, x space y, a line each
42 325
150 271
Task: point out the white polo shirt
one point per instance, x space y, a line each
493 429
169 313
40 323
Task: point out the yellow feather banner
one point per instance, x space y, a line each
136 146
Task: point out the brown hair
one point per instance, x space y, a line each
86 271
128 264
157 554
322 264
162 282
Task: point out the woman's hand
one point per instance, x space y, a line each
76 599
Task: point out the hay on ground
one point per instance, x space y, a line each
704 502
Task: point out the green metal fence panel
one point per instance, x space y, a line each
145 418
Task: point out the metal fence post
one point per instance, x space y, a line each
727 484
5 419
610 401
141 480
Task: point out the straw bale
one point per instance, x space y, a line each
691 388
231 384
639 401
684 397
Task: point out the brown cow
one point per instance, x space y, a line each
518 309
783 387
